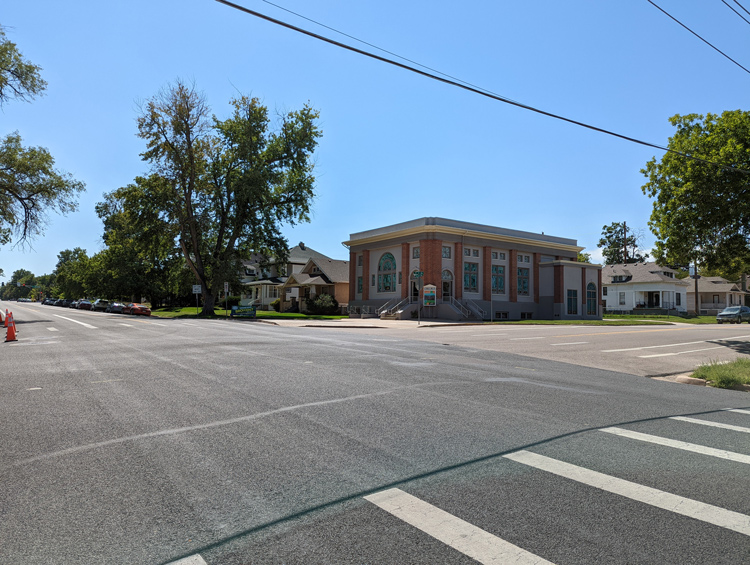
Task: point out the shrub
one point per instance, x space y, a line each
276 304
323 304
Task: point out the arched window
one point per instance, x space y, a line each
447 275
591 299
387 273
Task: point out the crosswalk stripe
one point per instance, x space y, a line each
452 531
712 424
722 454
191 560
738 410
678 504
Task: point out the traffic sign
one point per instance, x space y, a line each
418 274
196 289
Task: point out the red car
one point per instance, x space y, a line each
137 309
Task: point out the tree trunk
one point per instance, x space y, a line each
209 301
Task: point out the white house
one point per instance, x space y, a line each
716 293
643 286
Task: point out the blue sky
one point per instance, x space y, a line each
395 146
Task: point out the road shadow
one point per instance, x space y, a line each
742 347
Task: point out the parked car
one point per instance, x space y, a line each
66 302
115 307
74 303
137 309
734 315
84 304
100 305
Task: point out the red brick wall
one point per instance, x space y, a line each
487 273
559 283
458 270
431 260
366 275
537 259
405 270
513 275
352 276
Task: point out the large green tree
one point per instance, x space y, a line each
620 244
30 185
701 209
224 188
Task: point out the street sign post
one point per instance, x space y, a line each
196 291
418 275
226 299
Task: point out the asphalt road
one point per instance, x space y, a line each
129 440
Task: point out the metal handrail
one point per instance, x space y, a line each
464 311
475 308
385 306
397 306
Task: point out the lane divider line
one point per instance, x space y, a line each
190 560
680 352
452 531
77 322
674 344
654 497
685 446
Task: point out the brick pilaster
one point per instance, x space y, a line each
458 270
559 277
405 270
513 276
487 273
366 274
352 276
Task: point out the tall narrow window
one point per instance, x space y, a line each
572 301
446 252
387 273
523 282
359 285
498 279
591 299
471 277
415 252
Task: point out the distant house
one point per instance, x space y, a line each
320 275
715 294
264 278
643 286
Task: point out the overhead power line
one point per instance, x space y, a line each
476 90
741 6
728 5
696 35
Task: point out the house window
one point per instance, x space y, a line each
591 299
359 285
527 315
446 252
604 291
494 254
471 277
572 301
524 259
475 252
387 273
415 252
467 252
678 298
501 256
622 299
359 260
716 298
501 315
498 279
447 275
523 282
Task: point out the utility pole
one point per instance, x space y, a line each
625 242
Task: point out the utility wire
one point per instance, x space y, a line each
741 6
380 48
696 35
471 88
735 11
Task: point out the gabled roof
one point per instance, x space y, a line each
332 271
715 284
639 273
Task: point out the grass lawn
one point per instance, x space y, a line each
605 322
681 319
725 375
190 312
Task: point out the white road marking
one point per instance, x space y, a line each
77 322
720 453
452 531
53 329
712 424
673 344
571 343
738 410
191 325
126 325
519 338
192 560
108 381
158 324
35 388
660 499
680 352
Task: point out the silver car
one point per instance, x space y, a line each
734 315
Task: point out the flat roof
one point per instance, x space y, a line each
456 226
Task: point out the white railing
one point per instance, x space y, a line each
366 310
461 308
396 308
386 306
475 309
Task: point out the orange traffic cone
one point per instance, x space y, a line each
6 318
11 335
